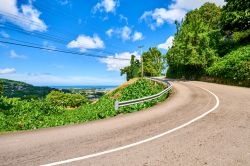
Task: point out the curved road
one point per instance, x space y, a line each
222 137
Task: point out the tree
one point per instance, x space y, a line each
1 88
133 70
236 15
195 45
153 64
235 21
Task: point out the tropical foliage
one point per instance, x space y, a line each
213 42
195 43
66 100
234 66
236 15
18 114
133 70
153 65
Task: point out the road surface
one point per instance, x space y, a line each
221 137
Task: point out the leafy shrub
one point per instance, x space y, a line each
66 99
234 66
22 114
141 88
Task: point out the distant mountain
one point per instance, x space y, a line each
24 90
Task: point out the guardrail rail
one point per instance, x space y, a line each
147 98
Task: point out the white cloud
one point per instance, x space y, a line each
137 36
116 64
193 4
26 17
106 5
14 55
50 79
84 43
168 44
125 33
7 71
4 34
160 16
175 11
110 32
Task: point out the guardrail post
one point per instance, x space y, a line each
116 105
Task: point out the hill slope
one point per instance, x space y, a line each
23 90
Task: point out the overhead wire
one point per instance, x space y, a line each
36 46
48 6
16 17
50 37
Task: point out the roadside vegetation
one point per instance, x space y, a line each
233 68
60 108
212 44
66 100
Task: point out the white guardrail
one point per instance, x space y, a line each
147 98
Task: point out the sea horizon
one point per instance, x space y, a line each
84 86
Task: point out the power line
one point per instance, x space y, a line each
49 38
59 50
38 35
18 18
43 35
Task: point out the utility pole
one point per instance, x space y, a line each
140 47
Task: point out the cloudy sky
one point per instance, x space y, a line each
109 28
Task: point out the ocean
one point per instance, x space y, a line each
106 87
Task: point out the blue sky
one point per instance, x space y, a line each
113 28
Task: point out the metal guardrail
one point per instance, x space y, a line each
147 98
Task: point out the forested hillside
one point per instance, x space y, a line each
23 90
212 43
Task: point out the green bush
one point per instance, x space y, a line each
66 99
17 114
140 89
234 66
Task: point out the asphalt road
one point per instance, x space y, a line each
222 137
